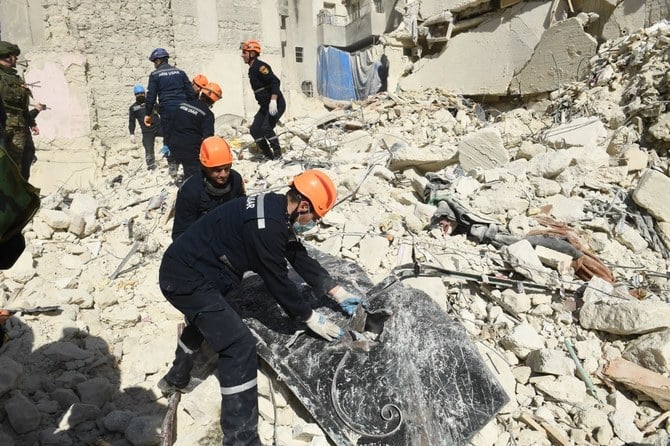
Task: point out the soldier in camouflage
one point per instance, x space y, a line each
15 99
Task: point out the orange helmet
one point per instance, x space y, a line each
215 151
318 188
251 45
200 80
212 91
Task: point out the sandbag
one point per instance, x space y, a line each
19 200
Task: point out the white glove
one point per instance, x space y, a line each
272 108
348 302
320 325
132 139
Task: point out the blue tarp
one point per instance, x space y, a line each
334 76
345 76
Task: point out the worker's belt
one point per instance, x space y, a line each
258 90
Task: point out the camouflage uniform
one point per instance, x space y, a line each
16 99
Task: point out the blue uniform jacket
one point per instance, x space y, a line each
193 200
245 234
170 86
264 82
192 122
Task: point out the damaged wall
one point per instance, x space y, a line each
525 49
86 57
484 61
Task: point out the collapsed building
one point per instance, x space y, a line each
581 358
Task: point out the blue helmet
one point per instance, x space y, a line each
137 89
158 53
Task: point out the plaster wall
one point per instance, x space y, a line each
301 25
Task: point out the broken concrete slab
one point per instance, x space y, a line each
651 186
587 131
651 351
624 316
428 159
556 59
482 149
484 66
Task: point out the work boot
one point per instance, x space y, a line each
277 152
180 373
268 154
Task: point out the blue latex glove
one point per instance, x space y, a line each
165 151
320 325
348 302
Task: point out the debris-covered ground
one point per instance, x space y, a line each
583 353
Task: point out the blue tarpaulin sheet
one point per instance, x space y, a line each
335 79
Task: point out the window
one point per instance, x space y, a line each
307 89
298 54
283 49
379 6
282 24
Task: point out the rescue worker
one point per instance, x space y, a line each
193 121
215 183
272 105
136 114
169 86
16 98
29 157
3 121
199 81
208 261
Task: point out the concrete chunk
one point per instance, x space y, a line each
482 149
652 185
555 59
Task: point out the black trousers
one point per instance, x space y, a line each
11 250
207 310
263 125
149 144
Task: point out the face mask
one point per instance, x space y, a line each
140 99
299 228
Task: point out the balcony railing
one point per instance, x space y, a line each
328 18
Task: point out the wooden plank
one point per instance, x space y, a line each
636 377
555 434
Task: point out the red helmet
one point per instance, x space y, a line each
215 151
318 188
251 45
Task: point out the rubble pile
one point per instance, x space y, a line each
583 354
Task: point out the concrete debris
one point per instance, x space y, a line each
593 154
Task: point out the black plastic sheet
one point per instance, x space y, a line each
405 374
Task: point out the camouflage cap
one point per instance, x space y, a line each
8 49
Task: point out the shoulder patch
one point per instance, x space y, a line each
264 69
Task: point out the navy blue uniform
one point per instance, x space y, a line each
136 114
245 234
264 84
196 197
169 86
193 121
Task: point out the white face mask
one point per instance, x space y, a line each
299 228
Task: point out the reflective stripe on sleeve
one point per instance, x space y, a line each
260 211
